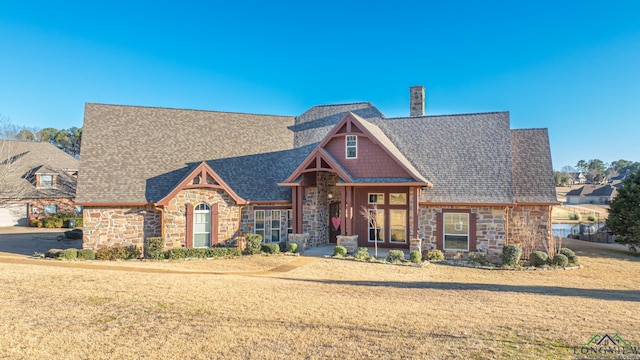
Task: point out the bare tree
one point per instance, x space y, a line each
371 214
528 233
11 181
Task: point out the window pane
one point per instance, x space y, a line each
259 220
46 180
378 230
398 199
50 209
261 233
456 242
376 198
200 240
398 225
275 235
351 140
351 152
275 219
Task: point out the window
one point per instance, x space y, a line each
398 225
258 223
46 180
456 231
275 225
289 221
351 147
201 225
376 198
77 210
50 209
398 199
376 225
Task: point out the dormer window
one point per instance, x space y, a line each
351 147
46 181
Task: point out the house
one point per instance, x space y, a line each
593 194
462 182
577 178
37 179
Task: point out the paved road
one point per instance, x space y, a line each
26 241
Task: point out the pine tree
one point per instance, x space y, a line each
624 212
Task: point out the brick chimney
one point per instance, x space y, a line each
417 100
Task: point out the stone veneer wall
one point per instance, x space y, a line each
175 226
315 209
119 226
248 216
491 231
527 220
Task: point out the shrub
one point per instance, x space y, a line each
68 254
340 251
154 248
283 246
571 256
511 254
591 218
435 255
574 216
271 248
86 254
73 234
415 256
52 253
560 260
253 243
52 222
202 253
177 253
119 253
362 253
538 258
35 223
478 258
292 247
395 255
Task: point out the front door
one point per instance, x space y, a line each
334 222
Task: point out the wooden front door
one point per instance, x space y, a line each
335 227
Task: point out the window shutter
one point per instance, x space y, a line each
439 232
189 233
214 224
472 232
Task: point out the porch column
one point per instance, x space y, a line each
349 210
343 211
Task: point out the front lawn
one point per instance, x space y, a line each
324 309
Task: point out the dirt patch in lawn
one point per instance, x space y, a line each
324 309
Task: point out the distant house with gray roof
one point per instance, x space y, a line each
592 194
459 183
36 179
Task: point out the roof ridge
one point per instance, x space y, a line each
442 115
343 104
186 109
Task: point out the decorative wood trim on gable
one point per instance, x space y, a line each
202 177
318 160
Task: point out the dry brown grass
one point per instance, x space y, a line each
324 309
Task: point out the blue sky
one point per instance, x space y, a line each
570 66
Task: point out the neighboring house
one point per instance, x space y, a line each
592 194
200 178
577 178
36 179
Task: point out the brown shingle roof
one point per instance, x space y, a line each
532 169
21 160
125 147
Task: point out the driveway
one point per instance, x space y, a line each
27 240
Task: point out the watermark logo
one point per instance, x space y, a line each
607 346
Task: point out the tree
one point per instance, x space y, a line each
561 178
624 212
596 170
568 169
372 216
582 166
47 135
26 135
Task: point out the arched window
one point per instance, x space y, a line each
202 225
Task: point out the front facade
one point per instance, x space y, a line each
335 174
36 180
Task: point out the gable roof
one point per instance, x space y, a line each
532 168
595 190
133 154
20 161
466 157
